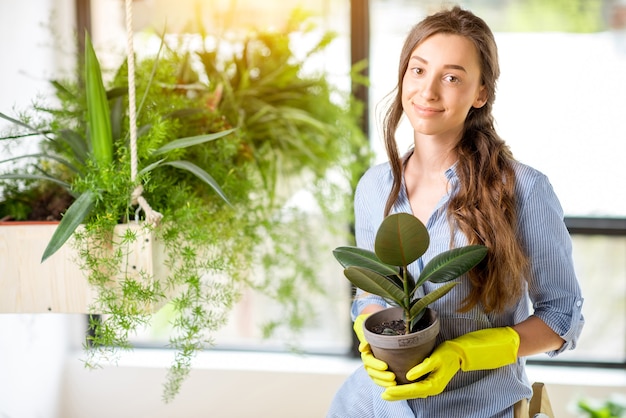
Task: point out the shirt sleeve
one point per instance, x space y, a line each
553 287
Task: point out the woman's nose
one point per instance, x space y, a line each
428 88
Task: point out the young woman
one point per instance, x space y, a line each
462 181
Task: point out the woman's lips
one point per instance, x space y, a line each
426 110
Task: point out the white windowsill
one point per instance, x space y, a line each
339 365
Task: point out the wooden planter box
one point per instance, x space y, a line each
58 285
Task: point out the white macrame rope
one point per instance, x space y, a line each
153 217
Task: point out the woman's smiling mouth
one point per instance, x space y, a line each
426 110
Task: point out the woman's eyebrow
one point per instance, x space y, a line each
447 66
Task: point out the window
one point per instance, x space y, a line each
329 331
560 106
600 264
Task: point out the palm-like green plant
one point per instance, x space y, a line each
282 110
86 149
97 146
400 240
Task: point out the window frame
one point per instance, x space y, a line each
603 226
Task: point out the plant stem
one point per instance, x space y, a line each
407 301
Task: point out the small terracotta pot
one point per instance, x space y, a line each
401 352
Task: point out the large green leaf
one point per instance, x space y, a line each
401 239
355 256
452 263
201 174
190 141
98 116
421 304
73 217
375 283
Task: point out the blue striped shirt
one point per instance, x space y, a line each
553 294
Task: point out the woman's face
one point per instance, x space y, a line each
440 85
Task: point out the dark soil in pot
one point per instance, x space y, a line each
36 204
397 327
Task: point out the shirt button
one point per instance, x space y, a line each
579 303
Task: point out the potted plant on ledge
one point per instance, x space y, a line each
404 335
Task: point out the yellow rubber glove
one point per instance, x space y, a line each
376 369
479 350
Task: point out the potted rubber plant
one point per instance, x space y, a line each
404 334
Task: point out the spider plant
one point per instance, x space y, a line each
94 151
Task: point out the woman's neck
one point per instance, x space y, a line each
431 156
424 176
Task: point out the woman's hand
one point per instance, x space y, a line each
479 350
376 369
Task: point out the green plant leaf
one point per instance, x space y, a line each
34 177
98 116
375 283
20 123
395 279
151 167
77 144
63 92
401 239
73 217
451 264
190 141
42 155
423 303
73 140
117 112
355 256
201 174
153 72
415 319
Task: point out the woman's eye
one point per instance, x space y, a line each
452 79
417 70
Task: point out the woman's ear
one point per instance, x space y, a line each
481 99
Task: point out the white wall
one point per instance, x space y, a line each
222 384
32 347
32 52
32 353
249 384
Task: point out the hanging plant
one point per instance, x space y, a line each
213 160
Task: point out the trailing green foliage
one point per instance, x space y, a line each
400 240
221 155
101 145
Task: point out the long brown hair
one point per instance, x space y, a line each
484 207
